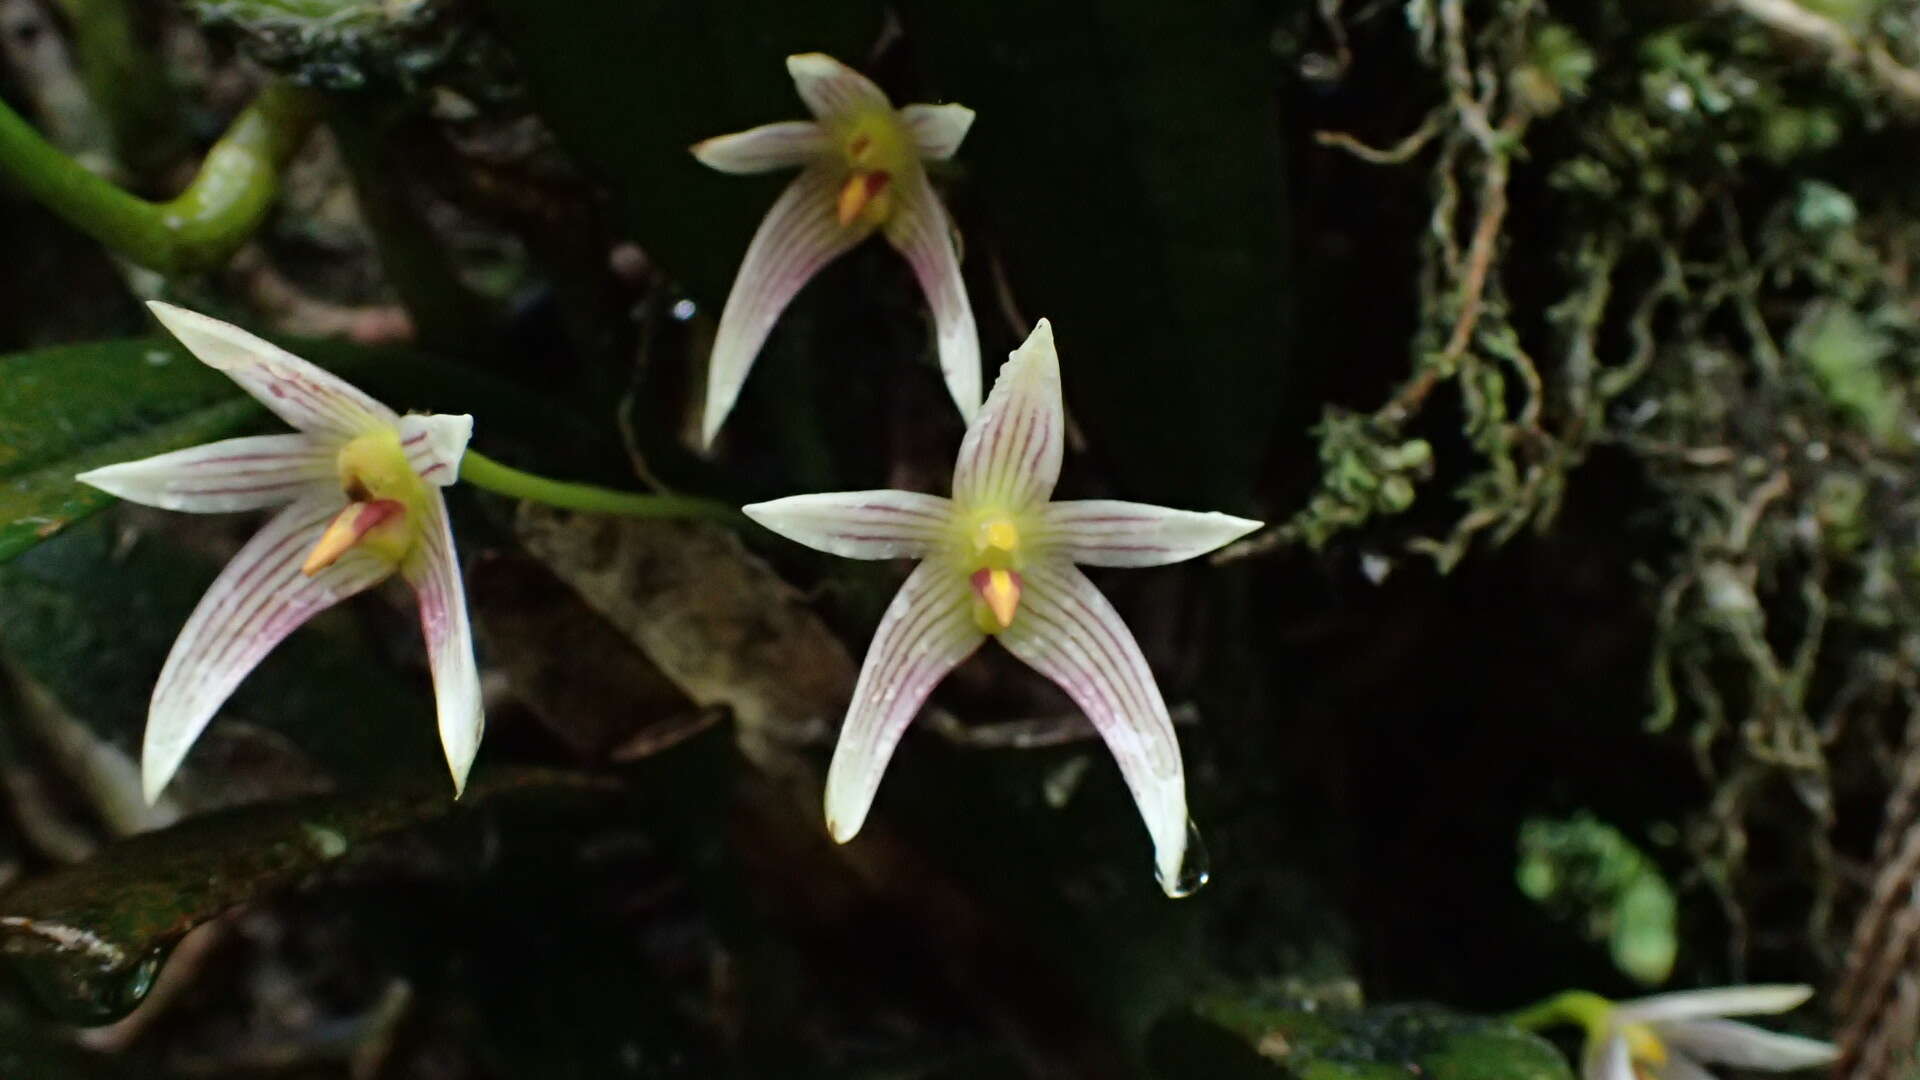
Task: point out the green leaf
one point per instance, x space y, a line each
1371 1044
66 410
90 939
1128 154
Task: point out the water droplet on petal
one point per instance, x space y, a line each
1195 870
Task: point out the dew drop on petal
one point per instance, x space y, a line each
1195 870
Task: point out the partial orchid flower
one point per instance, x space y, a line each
861 169
997 560
361 489
1675 1036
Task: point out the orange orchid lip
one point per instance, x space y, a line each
348 528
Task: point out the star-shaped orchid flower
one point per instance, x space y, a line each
861 169
997 560
360 486
1674 1036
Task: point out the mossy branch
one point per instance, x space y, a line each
202 226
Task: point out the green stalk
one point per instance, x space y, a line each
1577 1007
202 226
482 471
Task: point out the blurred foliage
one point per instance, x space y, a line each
1583 869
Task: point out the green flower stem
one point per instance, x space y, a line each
1576 1007
482 471
201 227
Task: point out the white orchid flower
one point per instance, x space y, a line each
861 169
360 486
1675 1036
997 560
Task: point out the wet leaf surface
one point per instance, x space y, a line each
1252 1039
89 939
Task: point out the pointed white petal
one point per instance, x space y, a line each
434 572
256 601
1010 457
1718 1001
1679 1068
920 231
765 148
1109 532
926 632
1609 1060
435 444
799 235
831 89
1727 1042
1066 630
860 524
220 477
937 129
298 392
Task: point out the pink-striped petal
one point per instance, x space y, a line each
1728 1042
1109 532
298 392
434 445
937 129
434 572
765 148
1754 1000
860 524
256 601
926 632
221 477
1010 457
832 90
1066 630
919 228
799 235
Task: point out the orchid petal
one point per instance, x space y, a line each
434 445
765 148
1068 632
1109 532
1610 1060
1719 1001
434 572
919 229
256 601
937 129
799 236
1678 1068
860 524
1010 457
298 392
1727 1042
221 477
926 632
831 89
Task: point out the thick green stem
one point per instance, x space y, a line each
1576 1007
203 225
482 471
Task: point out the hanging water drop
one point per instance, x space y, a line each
1195 868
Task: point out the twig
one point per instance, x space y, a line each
1901 84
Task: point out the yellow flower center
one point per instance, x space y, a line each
1643 1045
990 551
386 500
878 152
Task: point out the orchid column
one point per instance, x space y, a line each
997 560
861 169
